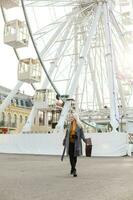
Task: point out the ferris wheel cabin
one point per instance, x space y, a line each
45 99
16 34
29 70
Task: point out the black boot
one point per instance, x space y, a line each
74 173
71 172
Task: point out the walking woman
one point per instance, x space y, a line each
72 141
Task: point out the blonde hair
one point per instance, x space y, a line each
76 117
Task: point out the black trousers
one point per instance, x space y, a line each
73 159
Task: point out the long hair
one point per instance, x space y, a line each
76 117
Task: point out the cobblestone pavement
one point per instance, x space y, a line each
28 177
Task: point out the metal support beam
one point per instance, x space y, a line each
10 96
30 120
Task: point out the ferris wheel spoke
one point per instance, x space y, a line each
60 29
51 3
57 3
114 114
93 71
61 55
83 89
121 93
54 37
52 25
64 44
62 26
117 27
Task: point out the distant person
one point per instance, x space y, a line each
72 141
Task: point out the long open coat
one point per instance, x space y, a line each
78 145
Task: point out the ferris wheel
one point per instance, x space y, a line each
82 47
85 42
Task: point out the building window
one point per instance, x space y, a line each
15 120
28 103
22 102
2 120
3 116
17 101
21 119
26 119
9 119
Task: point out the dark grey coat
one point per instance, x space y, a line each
78 144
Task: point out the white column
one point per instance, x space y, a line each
30 120
45 118
114 114
124 43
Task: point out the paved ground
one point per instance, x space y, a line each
27 177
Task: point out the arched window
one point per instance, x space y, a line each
2 119
15 102
3 116
26 119
9 119
21 119
15 120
